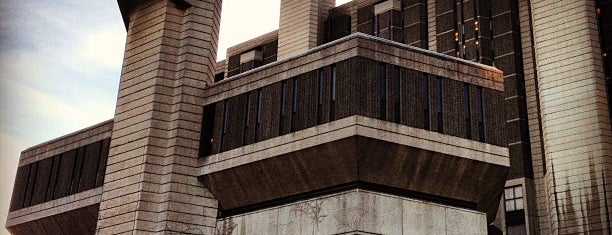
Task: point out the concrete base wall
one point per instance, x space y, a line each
357 211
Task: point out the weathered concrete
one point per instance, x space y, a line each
575 119
358 149
357 212
150 186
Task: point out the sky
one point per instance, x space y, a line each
60 63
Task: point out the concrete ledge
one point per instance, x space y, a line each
357 45
75 202
351 126
67 142
358 149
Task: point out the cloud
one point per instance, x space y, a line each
94 51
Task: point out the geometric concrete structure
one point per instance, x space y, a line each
574 110
301 25
150 183
372 117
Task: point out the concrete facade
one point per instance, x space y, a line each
372 117
357 212
301 25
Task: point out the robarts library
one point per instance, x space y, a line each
372 117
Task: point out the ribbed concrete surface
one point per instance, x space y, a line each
576 124
301 25
150 184
533 187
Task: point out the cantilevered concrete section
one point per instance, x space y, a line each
59 184
150 185
296 133
358 152
314 156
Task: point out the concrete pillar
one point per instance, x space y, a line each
150 185
575 119
301 25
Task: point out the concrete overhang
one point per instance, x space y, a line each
358 149
74 214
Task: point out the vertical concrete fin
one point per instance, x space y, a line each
151 182
574 113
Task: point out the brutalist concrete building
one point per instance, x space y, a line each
372 117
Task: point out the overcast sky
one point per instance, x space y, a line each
60 62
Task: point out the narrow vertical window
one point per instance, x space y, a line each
208 126
481 128
515 210
467 111
281 123
27 199
294 105
426 103
332 108
55 164
397 116
382 90
247 117
223 127
440 115
320 98
258 117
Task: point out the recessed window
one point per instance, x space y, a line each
382 86
480 106
281 124
294 105
320 98
439 110
397 116
258 116
426 104
332 108
223 128
467 111
513 198
247 118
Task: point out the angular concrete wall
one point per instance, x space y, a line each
150 184
575 119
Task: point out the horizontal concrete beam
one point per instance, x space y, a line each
55 209
358 149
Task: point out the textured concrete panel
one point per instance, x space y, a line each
356 212
575 186
301 25
169 60
357 149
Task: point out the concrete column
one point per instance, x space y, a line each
575 119
431 25
301 25
150 184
